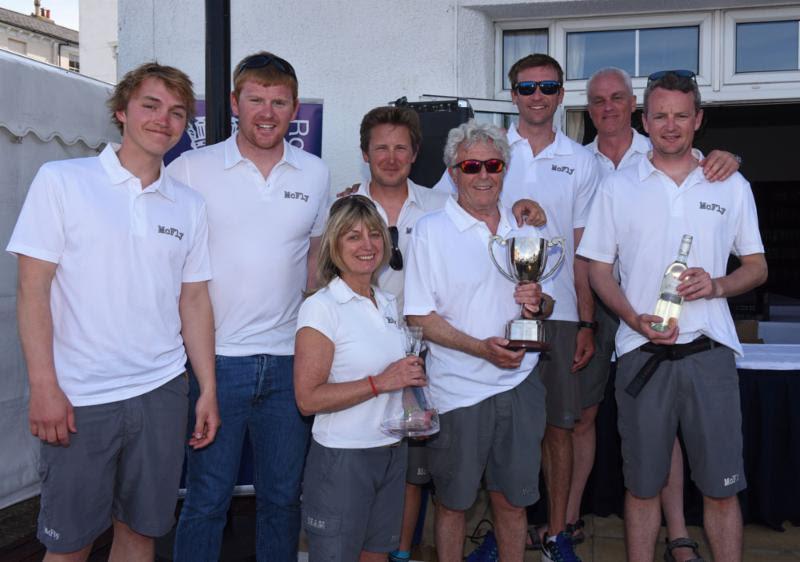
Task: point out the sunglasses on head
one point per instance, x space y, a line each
680 73
547 87
396 261
493 166
260 61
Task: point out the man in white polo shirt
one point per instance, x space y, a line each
560 175
639 217
491 401
113 265
611 102
267 204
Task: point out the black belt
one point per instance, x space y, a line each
663 353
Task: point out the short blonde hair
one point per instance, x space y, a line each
344 213
175 80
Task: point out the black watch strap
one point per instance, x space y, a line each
585 324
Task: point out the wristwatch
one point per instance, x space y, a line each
584 324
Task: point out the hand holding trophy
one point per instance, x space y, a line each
527 259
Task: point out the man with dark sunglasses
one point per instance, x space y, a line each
561 176
267 205
639 216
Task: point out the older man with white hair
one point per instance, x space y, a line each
490 399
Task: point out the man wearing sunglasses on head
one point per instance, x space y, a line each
611 103
267 205
639 215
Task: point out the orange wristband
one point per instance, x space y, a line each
372 385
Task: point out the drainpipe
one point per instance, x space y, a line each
218 70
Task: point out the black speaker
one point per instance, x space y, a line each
436 119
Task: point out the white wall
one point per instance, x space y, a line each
38 47
98 43
354 55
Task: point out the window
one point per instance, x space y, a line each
18 46
637 51
74 62
767 46
518 43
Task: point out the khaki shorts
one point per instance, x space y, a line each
353 500
699 393
124 462
498 438
563 386
594 377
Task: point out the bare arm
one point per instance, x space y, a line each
584 342
312 367
697 283
438 330
607 288
50 413
197 329
313 254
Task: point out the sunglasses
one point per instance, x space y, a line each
260 61
493 166
547 87
680 73
352 200
396 261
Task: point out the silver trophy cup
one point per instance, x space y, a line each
527 259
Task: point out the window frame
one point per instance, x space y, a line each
758 78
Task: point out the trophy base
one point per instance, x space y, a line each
423 426
526 334
528 345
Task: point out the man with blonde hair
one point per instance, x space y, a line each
267 204
113 270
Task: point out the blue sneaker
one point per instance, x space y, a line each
486 551
397 556
559 550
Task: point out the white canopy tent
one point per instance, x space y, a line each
46 113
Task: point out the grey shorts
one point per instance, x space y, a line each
594 377
353 501
699 393
124 462
499 437
563 386
417 472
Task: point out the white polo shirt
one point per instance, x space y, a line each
449 271
640 215
367 340
259 231
419 202
122 255
562 178
640 146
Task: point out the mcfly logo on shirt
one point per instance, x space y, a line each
565 169
712 207
295 195
170 231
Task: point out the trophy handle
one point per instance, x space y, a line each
554 242
502 242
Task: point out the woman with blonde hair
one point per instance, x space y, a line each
349 367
